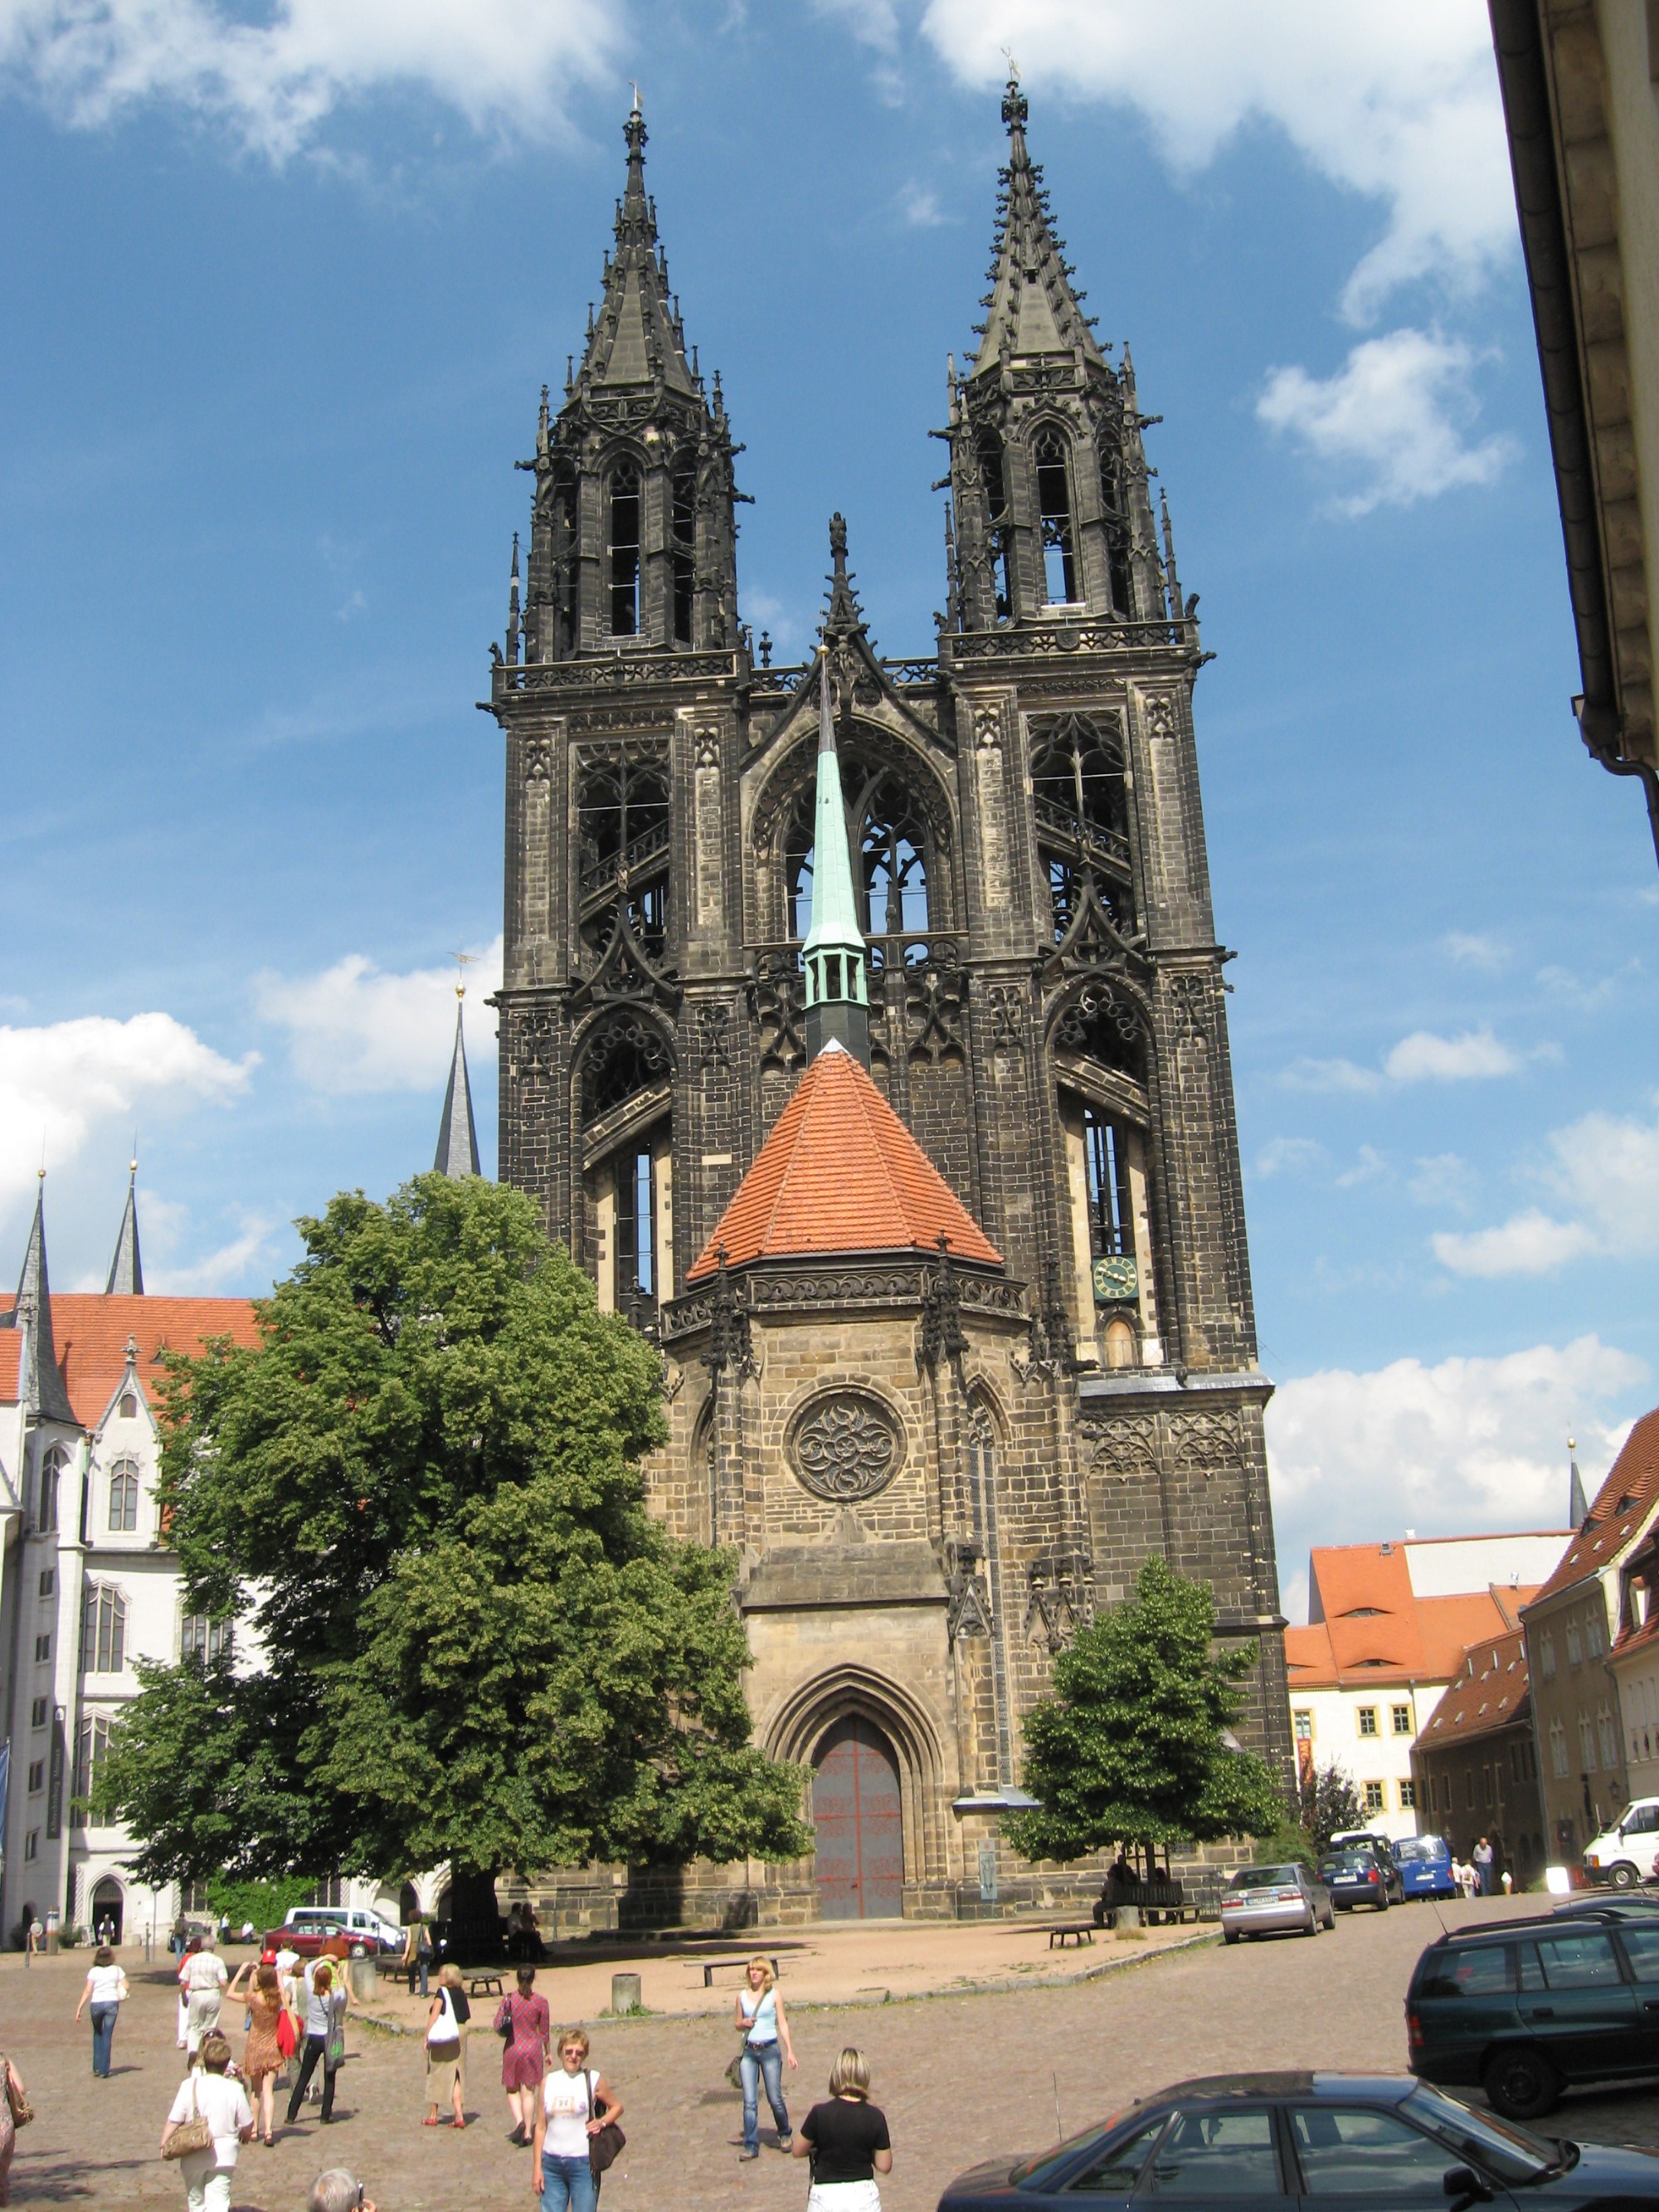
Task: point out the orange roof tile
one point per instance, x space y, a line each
1622 1506
90 1334
1410 1639
840 1172
1491 1691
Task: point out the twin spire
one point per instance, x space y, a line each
637 336
1032 306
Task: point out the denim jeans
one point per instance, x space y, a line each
568 2185
103 2035
758 2060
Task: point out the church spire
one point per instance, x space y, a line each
1033 307
637 338
1577 1503
126 1269
458 1139
837 999
40 1384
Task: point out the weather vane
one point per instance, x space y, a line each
462 962
1013 66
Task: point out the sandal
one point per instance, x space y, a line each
431 2120
458 2124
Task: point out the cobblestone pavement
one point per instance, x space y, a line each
1088 2047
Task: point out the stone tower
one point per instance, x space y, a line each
1027 945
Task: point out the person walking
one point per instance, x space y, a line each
446 2048
575 2103
221 2101
522 2018
1485 1860
262 2056
847 2140
760 2018
178 1936
202 1978
420 1963
106 1985
14 2100
325 2002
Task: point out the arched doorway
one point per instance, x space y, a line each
107 1902
858 1821
408 1904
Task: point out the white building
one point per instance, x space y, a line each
1388 1627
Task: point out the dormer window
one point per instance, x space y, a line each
129 1405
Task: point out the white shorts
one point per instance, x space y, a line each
843 2197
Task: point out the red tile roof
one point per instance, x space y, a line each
841 1173
90 1335
1491 1691
1386 1634
1622 1504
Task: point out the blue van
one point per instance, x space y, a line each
1425 1866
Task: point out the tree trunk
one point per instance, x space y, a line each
474 1920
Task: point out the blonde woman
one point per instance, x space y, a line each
446 2048
574 2105
846 2140
759 2017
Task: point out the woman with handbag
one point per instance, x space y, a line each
523 2023
263 2056
576 2133
16 2112
446 2048
325 2011
210 2119
847 2140
759 2018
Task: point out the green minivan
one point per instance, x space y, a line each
1530 2008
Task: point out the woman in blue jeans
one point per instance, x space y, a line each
574 2105
106 1985
760 2018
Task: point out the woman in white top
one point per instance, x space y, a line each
759 2018
222 2103
574 2105
202 1979
106 1985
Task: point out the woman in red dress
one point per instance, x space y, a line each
522 2020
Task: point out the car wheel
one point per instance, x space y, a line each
1330 1918
1312 1927
1624 1876
1523 2084
1382 1902
1229 1940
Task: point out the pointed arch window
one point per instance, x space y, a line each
123 1498
629 1178
1080 801
1117 536
684 491
103 1631
51 1475
622 812
892 842
1053 484
625 540
563 547
998 526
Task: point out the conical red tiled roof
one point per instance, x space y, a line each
841 1173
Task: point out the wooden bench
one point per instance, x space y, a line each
484 1985
1080 1932
713 1966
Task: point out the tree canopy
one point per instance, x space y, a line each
1330 1804
1133 1746
462 1634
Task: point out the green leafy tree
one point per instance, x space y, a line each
1330 1804
470 1640
1133 1745
266 1904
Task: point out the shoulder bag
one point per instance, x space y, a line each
443 2037
334 2043
19 2105
504 2025
604 2148
193 2133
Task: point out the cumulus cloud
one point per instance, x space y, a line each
1422 1057
1604 1171
1455 1448
355 1027
1529 1243
1290 1155
505 65
1391 420
1442 1179
1474 949
227 1270
62 1080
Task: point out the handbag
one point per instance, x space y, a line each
504 2026
734 2071
193 2133
604 2148
285 2035
22 2110
443 2037
334 2043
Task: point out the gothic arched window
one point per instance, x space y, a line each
629 1185
683 491
1080 802
624 541
1059 575
890 833
1117 534
623 811
51 1474
999 527
564 550
103 1631
123 1498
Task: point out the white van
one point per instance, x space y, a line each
367 1931
1625 1854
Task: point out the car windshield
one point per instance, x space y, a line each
1513 2153
1033 2169
1280 1877
1420 1847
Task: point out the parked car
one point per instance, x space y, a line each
1530 2008
308 1927
1269 2142
1381 1850
1425 1866
1354 1878
1274 1900
1623 1855
1641 1905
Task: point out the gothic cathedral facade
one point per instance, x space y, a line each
931 1459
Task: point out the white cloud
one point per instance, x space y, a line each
918 207
60 1081
1442 1179
507 65
872 23
1331 1075
1461 1446
224 1271
1366 1168
1474 949
1605 1171
1289 1156
1391 419
1529 1243
356 1028
1425 1058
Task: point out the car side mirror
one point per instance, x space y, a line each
1465 2186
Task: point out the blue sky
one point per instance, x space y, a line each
282 285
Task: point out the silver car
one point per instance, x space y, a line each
1274 1900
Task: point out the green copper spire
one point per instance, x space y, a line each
838 1005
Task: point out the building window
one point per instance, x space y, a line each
1368 1720
91 1749
48 1581
1403 1719
1596 1641
51 1469
1303 1723
1575 1646
1060 579
192 1897
330 1892
684 546
104 1631
1547 1656
1485 1786
1376 1797
1586 1744
625 551
123 1498
999 533
203 1639
1558 1748
1408 1796
129 1405
31 1845
40 1712
37 1776
42 1648
1609 1739
1468 1789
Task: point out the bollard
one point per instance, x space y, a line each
364 1975
625 1993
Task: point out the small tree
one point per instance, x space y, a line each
1133 1746
1330 1804
471 1642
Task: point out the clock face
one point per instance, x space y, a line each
1117 1279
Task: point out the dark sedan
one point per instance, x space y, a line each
1354 1878
1270 2142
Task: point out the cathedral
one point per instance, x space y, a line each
862 1029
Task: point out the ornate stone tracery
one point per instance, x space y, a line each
845 1445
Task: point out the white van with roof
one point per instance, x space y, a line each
1624 1856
